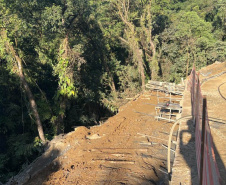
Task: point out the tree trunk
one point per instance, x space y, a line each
28 92
187 62
142 74
130 32
111 83
141 68
155 64
154 73
59 123
153 48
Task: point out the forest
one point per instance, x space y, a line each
67 63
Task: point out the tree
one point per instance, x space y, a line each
147 42
132 36
8 49
181 42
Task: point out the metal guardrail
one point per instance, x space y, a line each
206 164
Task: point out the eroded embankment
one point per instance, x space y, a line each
129 148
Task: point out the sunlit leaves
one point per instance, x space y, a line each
189 24
65 79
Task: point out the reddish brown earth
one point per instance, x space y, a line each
126 149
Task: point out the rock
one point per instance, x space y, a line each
94 136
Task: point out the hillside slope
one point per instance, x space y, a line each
127 149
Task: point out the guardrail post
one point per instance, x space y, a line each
203 139
193 93
197 102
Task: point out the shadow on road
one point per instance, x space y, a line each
220 165
187 149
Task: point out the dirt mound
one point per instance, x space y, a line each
129 148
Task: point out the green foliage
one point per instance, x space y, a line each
192 40
52 18
65 80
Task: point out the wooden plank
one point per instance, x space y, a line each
160 108
162 97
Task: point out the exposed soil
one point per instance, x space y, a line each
128 148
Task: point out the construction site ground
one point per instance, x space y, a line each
130 147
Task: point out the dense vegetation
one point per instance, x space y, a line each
71 62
